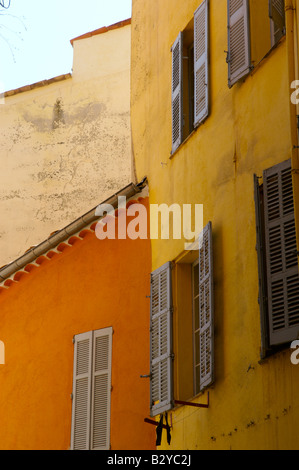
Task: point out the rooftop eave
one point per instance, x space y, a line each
102 30
64 234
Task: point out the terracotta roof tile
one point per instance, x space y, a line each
58 250
102 30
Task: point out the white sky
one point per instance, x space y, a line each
35 35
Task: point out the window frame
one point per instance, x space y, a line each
205 318
269 345
180 104
89 415
250 61
196 385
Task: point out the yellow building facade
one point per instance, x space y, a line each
65 141
214 123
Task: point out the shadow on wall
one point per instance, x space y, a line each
58 114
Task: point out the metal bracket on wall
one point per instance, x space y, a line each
198 405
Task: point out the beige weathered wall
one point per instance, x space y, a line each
66 145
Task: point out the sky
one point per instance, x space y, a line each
35 35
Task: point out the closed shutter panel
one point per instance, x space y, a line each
201 65
206 308
161 389
101 389
80 437
277 13
177 91
238 40
282 265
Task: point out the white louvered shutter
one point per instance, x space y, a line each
177 91
281 259
277 13
80 436
201 63
161 386
206 308
101 389
238 40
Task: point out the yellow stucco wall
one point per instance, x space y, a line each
253 405
51 173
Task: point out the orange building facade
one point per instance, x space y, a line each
75 326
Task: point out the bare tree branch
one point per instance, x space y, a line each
5 4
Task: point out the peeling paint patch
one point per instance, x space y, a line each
89 113
11 195
40 124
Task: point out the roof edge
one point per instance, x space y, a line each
74 227
40 84
102 30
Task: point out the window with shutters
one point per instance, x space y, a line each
254 27
277 17
182 309
91 390
277 258
190 76
161 354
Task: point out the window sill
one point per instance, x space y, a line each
184 142
282 351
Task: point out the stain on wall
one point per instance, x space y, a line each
66 144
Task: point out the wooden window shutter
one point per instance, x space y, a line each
177 92
101 389
262 276
161 385
277 13
80 434
282 265
206 308
201 63
238 40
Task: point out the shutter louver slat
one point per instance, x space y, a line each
206 308
238 40
100 418
201 66
176 95
293 289
100 415
234 6
81 415
81 392
282 265
161 341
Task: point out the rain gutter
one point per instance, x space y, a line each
71 229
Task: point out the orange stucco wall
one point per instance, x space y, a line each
92 284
